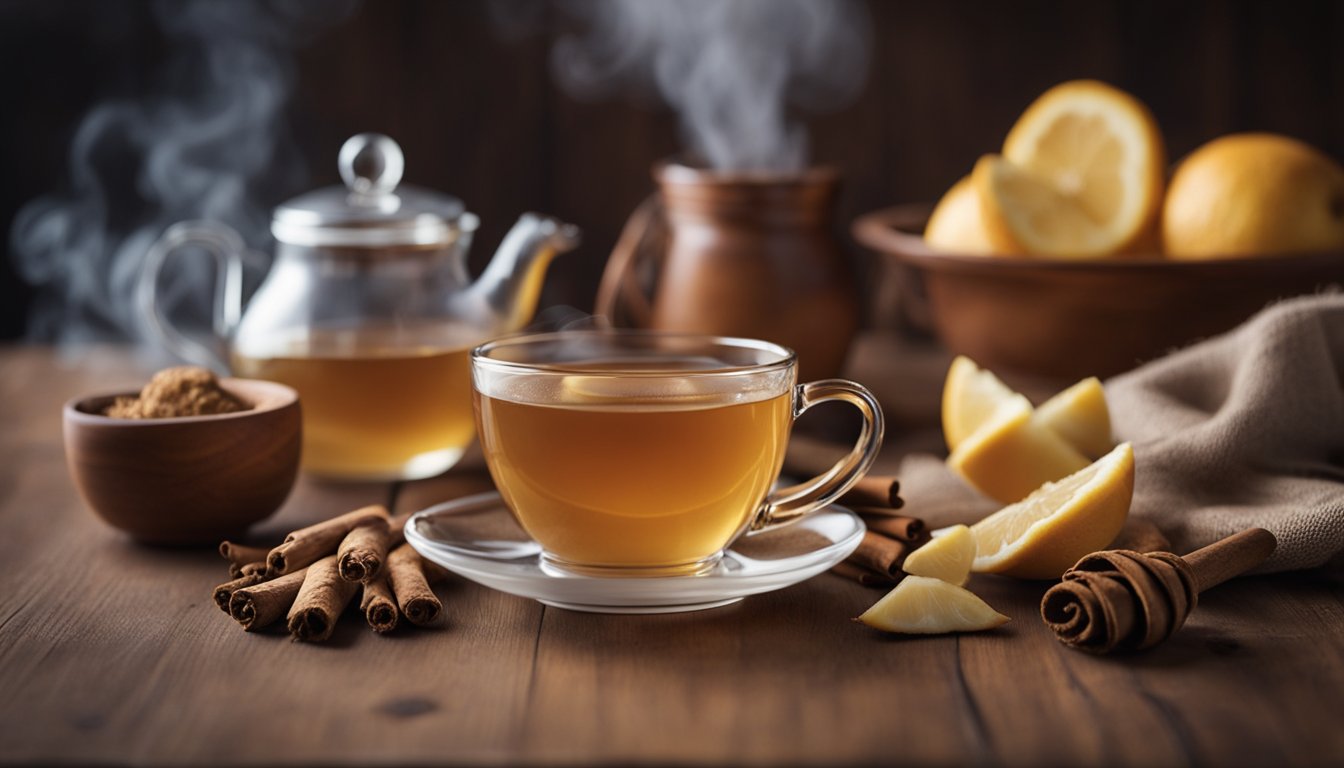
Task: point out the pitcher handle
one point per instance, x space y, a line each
790 504
226 246
620 287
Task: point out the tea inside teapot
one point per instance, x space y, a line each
378 401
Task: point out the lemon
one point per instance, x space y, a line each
1080 415
921 605
1025 216
957 224
1253 194
1043 535
1080 176
1012 454
970 395
947 556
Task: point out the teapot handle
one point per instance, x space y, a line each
227 247
620 290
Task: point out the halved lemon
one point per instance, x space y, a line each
1081 175
1011 454
1046 533
1080 415
948 556
970 396
921 605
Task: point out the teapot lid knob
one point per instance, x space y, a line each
371 164
370 210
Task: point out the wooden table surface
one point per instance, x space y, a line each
113 653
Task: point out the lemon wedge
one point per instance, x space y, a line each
948 556
1012 454
920 605
1081 175
1026 216
1080 415
970 396
957 223
1043 535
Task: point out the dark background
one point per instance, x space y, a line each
477 112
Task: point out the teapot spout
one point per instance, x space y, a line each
511 285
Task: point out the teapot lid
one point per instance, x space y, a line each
371 210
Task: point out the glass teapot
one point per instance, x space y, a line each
368 311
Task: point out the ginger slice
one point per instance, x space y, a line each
921 605
947 557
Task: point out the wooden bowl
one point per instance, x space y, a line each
1072 319
191 480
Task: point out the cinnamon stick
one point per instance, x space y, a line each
905 528
406 576
379 605
224 592
881 554
259 568
890 538
320 601
363 550
870 491
265 603
1125 600
874 491
306 545
865 576
396 529
240 555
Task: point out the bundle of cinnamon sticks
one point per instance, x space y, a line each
890 537
312 576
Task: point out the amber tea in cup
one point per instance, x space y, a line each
631 453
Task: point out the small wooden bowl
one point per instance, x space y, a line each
1070 319
191 480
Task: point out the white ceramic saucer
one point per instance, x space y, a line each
478 538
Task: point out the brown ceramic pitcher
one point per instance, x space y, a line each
749 254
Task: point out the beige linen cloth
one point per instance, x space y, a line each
1244 429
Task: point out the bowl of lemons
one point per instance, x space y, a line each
1074 251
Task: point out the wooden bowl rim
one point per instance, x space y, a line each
265 396
897 232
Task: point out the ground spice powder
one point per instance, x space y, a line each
173 392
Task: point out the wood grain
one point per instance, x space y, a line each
111 652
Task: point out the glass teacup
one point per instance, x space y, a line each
628 453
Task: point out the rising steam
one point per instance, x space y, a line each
211 142
201 146
730 68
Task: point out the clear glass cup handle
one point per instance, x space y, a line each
227 247
790 504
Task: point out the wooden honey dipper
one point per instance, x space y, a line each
1123 600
